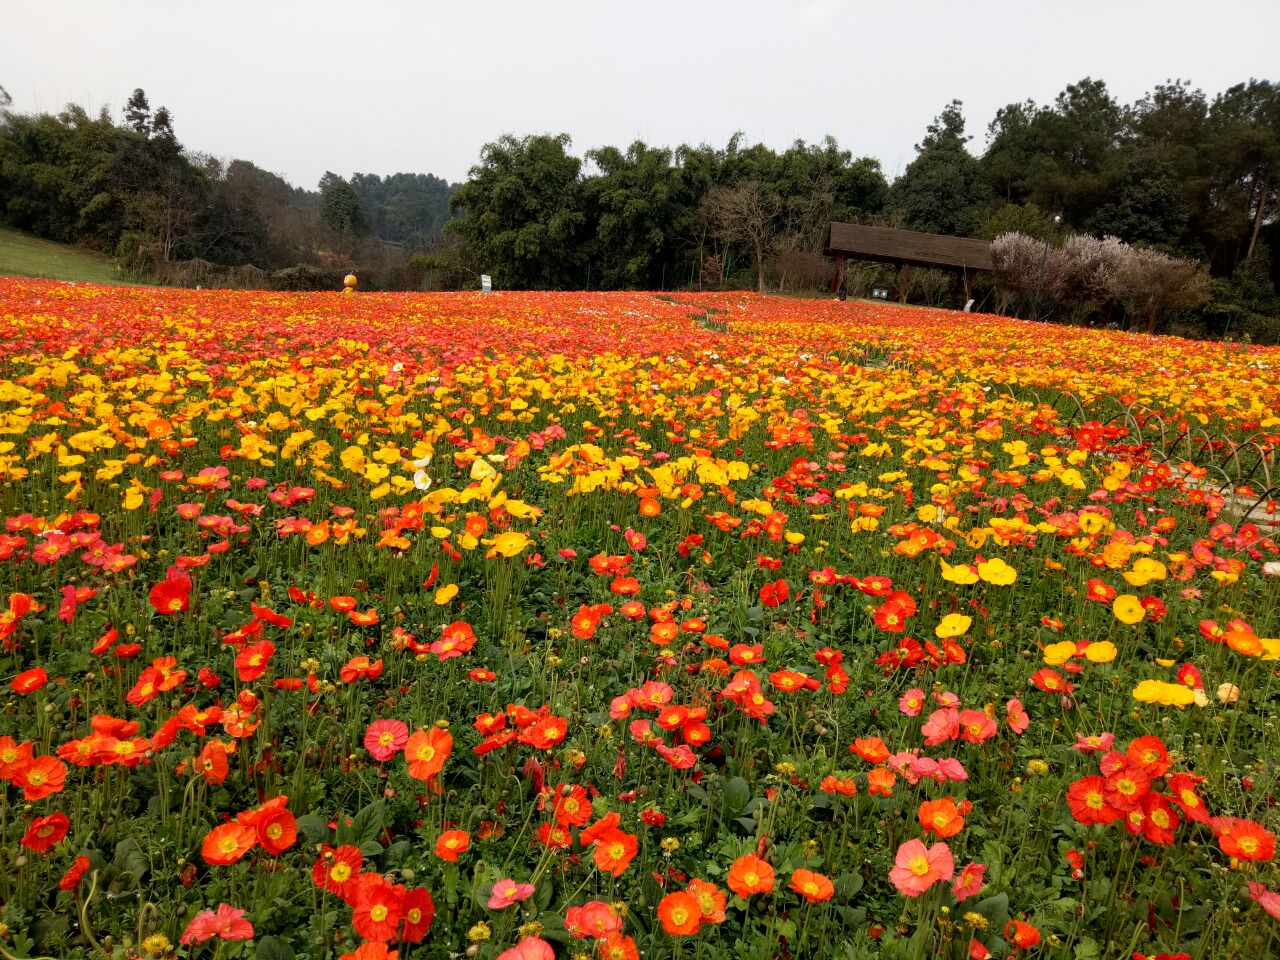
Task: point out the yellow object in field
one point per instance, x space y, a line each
349 281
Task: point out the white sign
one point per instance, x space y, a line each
486 283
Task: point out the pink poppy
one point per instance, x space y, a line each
1097 743
947 699
901 762
969 881
940 771
1269 900
942 725
1016 716
227 923
385 738
912 702
917 867
507 892
921 768
530 948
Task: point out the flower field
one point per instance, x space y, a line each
540 626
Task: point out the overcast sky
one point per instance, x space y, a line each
382 86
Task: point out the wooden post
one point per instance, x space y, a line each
968 286
838 280
904 278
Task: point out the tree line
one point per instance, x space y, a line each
1178 172
128 188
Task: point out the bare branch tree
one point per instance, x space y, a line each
744 214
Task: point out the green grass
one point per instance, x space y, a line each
28 256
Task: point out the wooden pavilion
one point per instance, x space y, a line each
907 249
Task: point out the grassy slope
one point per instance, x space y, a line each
29 257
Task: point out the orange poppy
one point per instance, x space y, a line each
750 874
427 751
711 900
680 914
814 887
227 843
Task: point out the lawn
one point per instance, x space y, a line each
26 256
609 625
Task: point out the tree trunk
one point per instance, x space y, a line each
1257 220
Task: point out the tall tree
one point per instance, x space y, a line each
1245 137
942 190
340 207
137 112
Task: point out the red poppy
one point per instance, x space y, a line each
172 595
45 832
419 910
41 778
29 681
814 887
1159 819
613 851
253 660
1244 839
71 879
335 871
452 844
1182 789
378 910
680 914
1022 934
572 806
1088 801
774 594
750 875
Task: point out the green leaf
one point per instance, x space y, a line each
398 851
847 885
367 824
543 897
130 859
273 948
314 828
737 792
1087 949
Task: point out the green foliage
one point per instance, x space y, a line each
1024 218
1245 304
409 209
